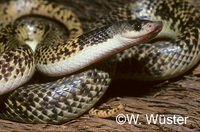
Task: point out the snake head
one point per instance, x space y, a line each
141 30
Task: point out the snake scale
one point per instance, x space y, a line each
70 96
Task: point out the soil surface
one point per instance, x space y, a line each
178 98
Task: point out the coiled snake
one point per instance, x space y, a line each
62 100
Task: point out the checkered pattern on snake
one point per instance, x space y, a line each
75 94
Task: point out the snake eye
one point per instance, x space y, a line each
138 26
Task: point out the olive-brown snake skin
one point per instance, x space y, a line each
77 92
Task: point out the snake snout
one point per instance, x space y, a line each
151 29
154 26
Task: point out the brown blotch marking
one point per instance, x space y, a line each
36 99
96 112
76 21
3 71
9 59
16 57
22 74
20 65
117 108
107 111
70 17
26 63
21 60
22 69
40 95
62 17
6 79
17 71
2 62
5 65
29 61
10 69
0 77
5 56
11 55
15 62
26 57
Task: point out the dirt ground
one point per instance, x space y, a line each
178 97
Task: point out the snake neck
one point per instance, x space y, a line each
94 46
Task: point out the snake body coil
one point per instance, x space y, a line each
162 60
62 100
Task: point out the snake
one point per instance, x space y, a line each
108 112
72 95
